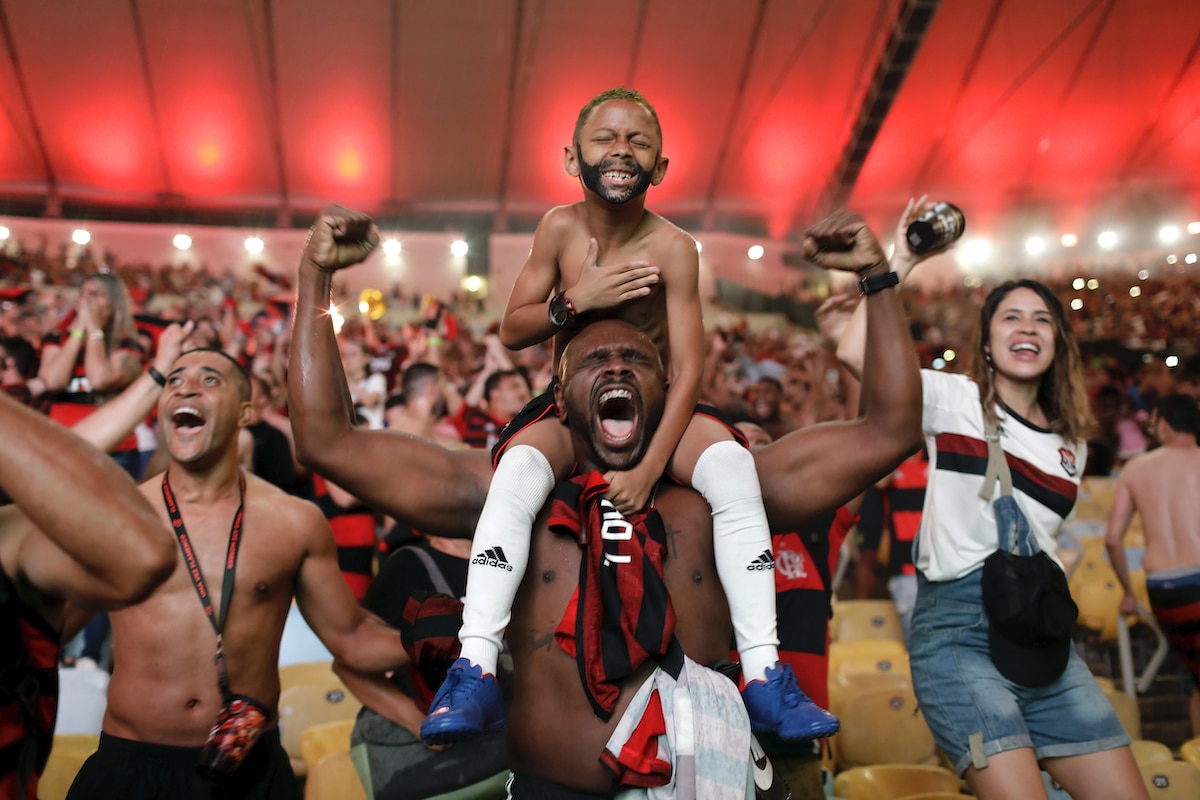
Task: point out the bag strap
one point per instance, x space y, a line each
1011 524
440 583
997 465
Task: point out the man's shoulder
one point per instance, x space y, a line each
285 509
1158 463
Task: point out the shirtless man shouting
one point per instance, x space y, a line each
174 676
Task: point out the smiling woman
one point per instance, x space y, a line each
1022 411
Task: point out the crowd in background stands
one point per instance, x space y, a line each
780 376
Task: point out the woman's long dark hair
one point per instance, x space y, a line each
1062 395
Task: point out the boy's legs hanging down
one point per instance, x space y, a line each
469 702
723 471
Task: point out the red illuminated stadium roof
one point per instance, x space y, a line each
1068 112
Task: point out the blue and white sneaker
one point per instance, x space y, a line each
468 704
778 705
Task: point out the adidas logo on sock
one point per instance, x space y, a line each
763 562
494 557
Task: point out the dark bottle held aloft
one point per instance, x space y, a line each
940 227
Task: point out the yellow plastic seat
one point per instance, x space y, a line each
1098 594
318 741
1128 712
67 754
302 707
865 619
893 781
1189 751
309 673
334 778
884 726
1148 751
868 655
844 685
1095 497
1171 780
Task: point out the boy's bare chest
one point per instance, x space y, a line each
574 256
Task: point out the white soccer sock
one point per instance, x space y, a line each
725 474
500 551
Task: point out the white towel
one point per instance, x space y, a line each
707 739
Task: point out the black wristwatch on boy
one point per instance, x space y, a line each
562 313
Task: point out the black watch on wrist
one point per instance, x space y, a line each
562 313
877 283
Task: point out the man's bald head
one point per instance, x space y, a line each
607 331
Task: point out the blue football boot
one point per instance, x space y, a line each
778 705
468 704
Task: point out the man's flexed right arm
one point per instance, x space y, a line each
435 489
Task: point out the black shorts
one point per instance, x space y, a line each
122 769
543 406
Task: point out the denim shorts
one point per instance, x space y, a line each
973 711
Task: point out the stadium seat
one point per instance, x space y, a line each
309 673
1189 751
318 741
1147 751
868 655
334 778
67 755
884 726
1098 594
893 781
1171 780
1095 498
865 619
303 706
844 685
1126 706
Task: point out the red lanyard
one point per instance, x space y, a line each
193 565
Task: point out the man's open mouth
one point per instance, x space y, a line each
187 419
617 415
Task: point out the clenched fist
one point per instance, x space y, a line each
843 241
340 238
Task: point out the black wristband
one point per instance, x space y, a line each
877 283
157 376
